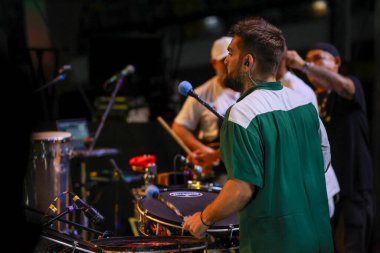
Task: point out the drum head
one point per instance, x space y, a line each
187 202
51 136
150 244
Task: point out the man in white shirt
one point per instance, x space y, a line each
195 124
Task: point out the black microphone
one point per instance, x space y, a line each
91 213
128 70
186 89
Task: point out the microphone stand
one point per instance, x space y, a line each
60 77
106 112
70 209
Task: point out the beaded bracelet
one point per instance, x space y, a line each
305 67
204 223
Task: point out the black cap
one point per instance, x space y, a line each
327 47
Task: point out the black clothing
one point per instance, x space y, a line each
347 128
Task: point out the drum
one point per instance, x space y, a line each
54 241
152 244
198 185
48 172
156 218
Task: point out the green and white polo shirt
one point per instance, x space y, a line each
271 139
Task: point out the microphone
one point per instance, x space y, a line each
152 192
128 70
64 68
186 89
91 213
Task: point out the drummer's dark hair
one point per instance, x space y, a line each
263 40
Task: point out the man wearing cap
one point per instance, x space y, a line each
193 116
342 108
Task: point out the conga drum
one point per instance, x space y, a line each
48 172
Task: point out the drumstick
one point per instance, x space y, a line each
153 192
173 134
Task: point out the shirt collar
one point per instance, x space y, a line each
264 86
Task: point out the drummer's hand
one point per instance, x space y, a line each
195 225
205 156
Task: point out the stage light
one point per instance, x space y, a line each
319 7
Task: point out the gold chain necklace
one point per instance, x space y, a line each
322 109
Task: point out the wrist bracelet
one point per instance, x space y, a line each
305 67
204 223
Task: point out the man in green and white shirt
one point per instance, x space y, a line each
275 150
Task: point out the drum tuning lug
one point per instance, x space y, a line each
231 230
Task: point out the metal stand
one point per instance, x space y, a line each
70 209
61 77
58 217
120 81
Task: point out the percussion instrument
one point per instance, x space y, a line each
154 244
48 171
157 219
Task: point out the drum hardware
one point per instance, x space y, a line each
63 240
152 244
231 229
198 185
145 164
117 171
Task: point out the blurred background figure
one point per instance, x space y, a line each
342 108
195 124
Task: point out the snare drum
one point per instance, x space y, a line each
155 218
149 244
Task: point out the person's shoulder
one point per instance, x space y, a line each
206 86
298 83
